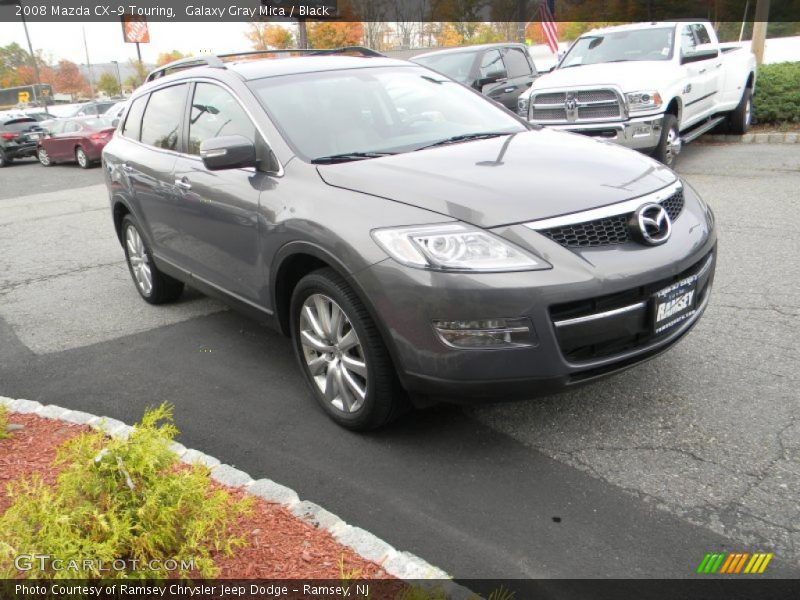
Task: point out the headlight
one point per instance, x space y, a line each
647 100
454 247
522 106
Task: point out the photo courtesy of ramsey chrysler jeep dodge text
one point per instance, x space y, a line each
417 241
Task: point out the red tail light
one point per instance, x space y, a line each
8 136
100 136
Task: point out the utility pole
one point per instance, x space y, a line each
35 64
119 77
88 64
760 22
302 34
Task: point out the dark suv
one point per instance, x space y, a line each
500 71
416 241
18 138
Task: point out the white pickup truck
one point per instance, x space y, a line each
648 86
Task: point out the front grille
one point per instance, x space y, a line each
598 112
608 230
596 340
589 105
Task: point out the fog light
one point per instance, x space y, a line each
642 130
486 333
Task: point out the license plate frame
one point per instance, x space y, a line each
674 304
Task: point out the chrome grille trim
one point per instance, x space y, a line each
591 105
611 210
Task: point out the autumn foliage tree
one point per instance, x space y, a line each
108 83
168 57
267 36
68 79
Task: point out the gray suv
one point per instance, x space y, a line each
417 242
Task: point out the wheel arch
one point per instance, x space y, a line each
294 261
675 107
118 212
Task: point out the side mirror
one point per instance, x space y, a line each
115 122
228 152
493 77
701 52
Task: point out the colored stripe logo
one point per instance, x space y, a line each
734 563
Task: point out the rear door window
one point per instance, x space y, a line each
133 123
161 123
492 62
517 64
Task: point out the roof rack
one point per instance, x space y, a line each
215 60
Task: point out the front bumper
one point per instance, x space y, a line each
406 301
641 133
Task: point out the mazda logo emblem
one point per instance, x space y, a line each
650 224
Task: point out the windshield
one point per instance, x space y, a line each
456 65
375 110
621 46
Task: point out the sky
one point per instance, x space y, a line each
65 40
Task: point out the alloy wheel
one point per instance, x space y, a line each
80 155
138 260
673 146
44 158
333 353
748 112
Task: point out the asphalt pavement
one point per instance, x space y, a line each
639 475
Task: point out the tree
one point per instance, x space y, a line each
12 57
168 57
108 83
139 74
336 34
68 79
266 36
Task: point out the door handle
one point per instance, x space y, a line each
183 184
703 70
508 90
719 66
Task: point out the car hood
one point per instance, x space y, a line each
511 179
629 76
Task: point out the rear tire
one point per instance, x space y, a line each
342 355
741 118
4 160
153 285
82 159
669 146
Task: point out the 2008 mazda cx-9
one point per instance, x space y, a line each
417 241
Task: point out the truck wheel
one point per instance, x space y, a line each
740 119
669 146
342 355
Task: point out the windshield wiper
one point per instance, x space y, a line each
465 137
348 157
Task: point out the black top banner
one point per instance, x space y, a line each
393 10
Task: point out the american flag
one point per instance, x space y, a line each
549 25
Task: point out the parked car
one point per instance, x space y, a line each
18 137
114 114
648 86
415 240
91 109
501 71
78 140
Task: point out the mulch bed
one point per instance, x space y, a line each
279 545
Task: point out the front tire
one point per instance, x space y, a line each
342 355
669 146
81 158
153 285
741 118
44 157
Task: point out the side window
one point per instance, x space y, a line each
491 63
133 122
215 113
56 127
162 117
516 63
688 43
701 33
71 127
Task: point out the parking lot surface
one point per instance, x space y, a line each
638 475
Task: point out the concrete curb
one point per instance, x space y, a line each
792 137
402 565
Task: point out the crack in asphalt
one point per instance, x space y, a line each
8 288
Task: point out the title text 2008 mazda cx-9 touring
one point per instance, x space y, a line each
417 241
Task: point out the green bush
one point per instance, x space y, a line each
124 500
777 98
3 421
